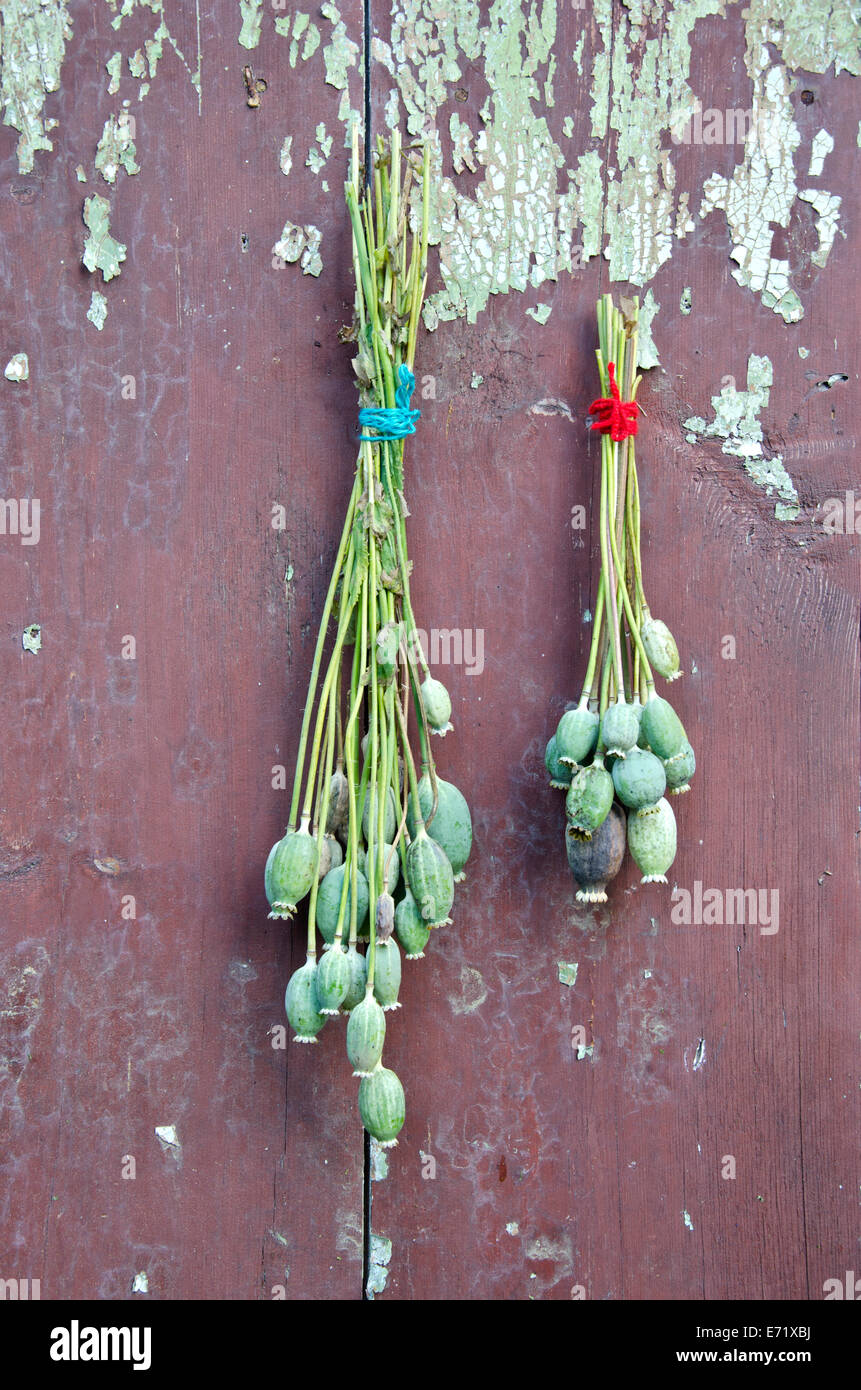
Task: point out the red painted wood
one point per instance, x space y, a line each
152 777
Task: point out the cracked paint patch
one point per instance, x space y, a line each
33 38
736 422
300 244
143 63
116 149
378 1265
827 209
821 147
101 251
17 368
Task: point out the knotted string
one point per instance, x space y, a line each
614 416
392 422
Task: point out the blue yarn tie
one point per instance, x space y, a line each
393 422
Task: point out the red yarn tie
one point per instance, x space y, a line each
614 416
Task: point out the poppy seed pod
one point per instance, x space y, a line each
333 980
329 902
290 871
430 878
661 648
358 966
331 855
390 816
594 862
300 1003
620 727
639 780
652 840
560 773
412 931
382 1107
366 1033
664 731
339 802
384 918
451 826
589 799
437 706
576 736
387 974
680 770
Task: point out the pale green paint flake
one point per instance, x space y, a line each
31 638
300 244
567 972
116 149
647 352
827 208
803 353
340 53
303 32
252 20
379 1258
686 300
540 312
98 310
577 55
568 127
319 153
285 159
821 147
812 35
476 381
33 38
18 367
462 155
736 422
81 174
113 67
101 251
393 110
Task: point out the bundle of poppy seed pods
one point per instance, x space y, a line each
623 747
374 847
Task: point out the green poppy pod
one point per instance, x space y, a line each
559 773
389 861
358 966
451 826
410 928
589 799
620 727
430 878
382 1107
576 736
664 731
329 902
640 779
331 855
437 706
292 871
387 974
594 862
390 816
366 1033
652 840
333 980
680 770
661 648
339 802
300 1003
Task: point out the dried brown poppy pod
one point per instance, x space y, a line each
385 917
339 803
594 862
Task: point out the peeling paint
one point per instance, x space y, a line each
116 149
33 38
143 63
140 1283
302 30
686 301
540 312
821 147
700 1055
285 159
379 1162
827 208
319 153
380 1255
101 251
17 368
473 991
476 380
340 53
567 971
252 19
113 67
300 244
647 352
31 638
736 422
686 1217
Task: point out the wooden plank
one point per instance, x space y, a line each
155 524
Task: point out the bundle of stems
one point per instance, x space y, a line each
360 816
622 746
